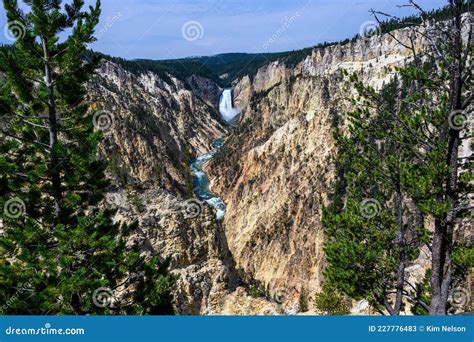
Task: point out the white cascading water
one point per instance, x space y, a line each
226 109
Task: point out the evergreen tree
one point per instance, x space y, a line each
373 235
331 302
55 238
405 154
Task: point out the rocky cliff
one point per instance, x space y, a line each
276 169
153 127
274 172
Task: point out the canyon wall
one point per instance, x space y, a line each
276 169
153 127
274 172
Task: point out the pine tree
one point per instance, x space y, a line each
331 302
441 180
55 238
372 236
419 172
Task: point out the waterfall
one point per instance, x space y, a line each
226 108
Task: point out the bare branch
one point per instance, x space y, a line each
39 143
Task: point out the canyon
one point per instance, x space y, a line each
273 169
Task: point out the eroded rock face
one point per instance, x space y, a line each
276 169
205 89
193 241
274 172
152 127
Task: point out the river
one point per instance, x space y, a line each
201 181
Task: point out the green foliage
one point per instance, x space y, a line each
180 68
394 156
463 257
257 291
135 201
422 294
370 228
56 240
116 168
331 302
440 14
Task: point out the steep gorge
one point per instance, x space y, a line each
276 169
274 172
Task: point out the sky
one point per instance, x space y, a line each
166 29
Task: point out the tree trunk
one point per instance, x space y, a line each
54 169
441 276
400 284
401 254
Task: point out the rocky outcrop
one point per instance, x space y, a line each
152 128
205 89
186 233
275 170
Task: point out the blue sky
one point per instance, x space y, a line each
162 29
